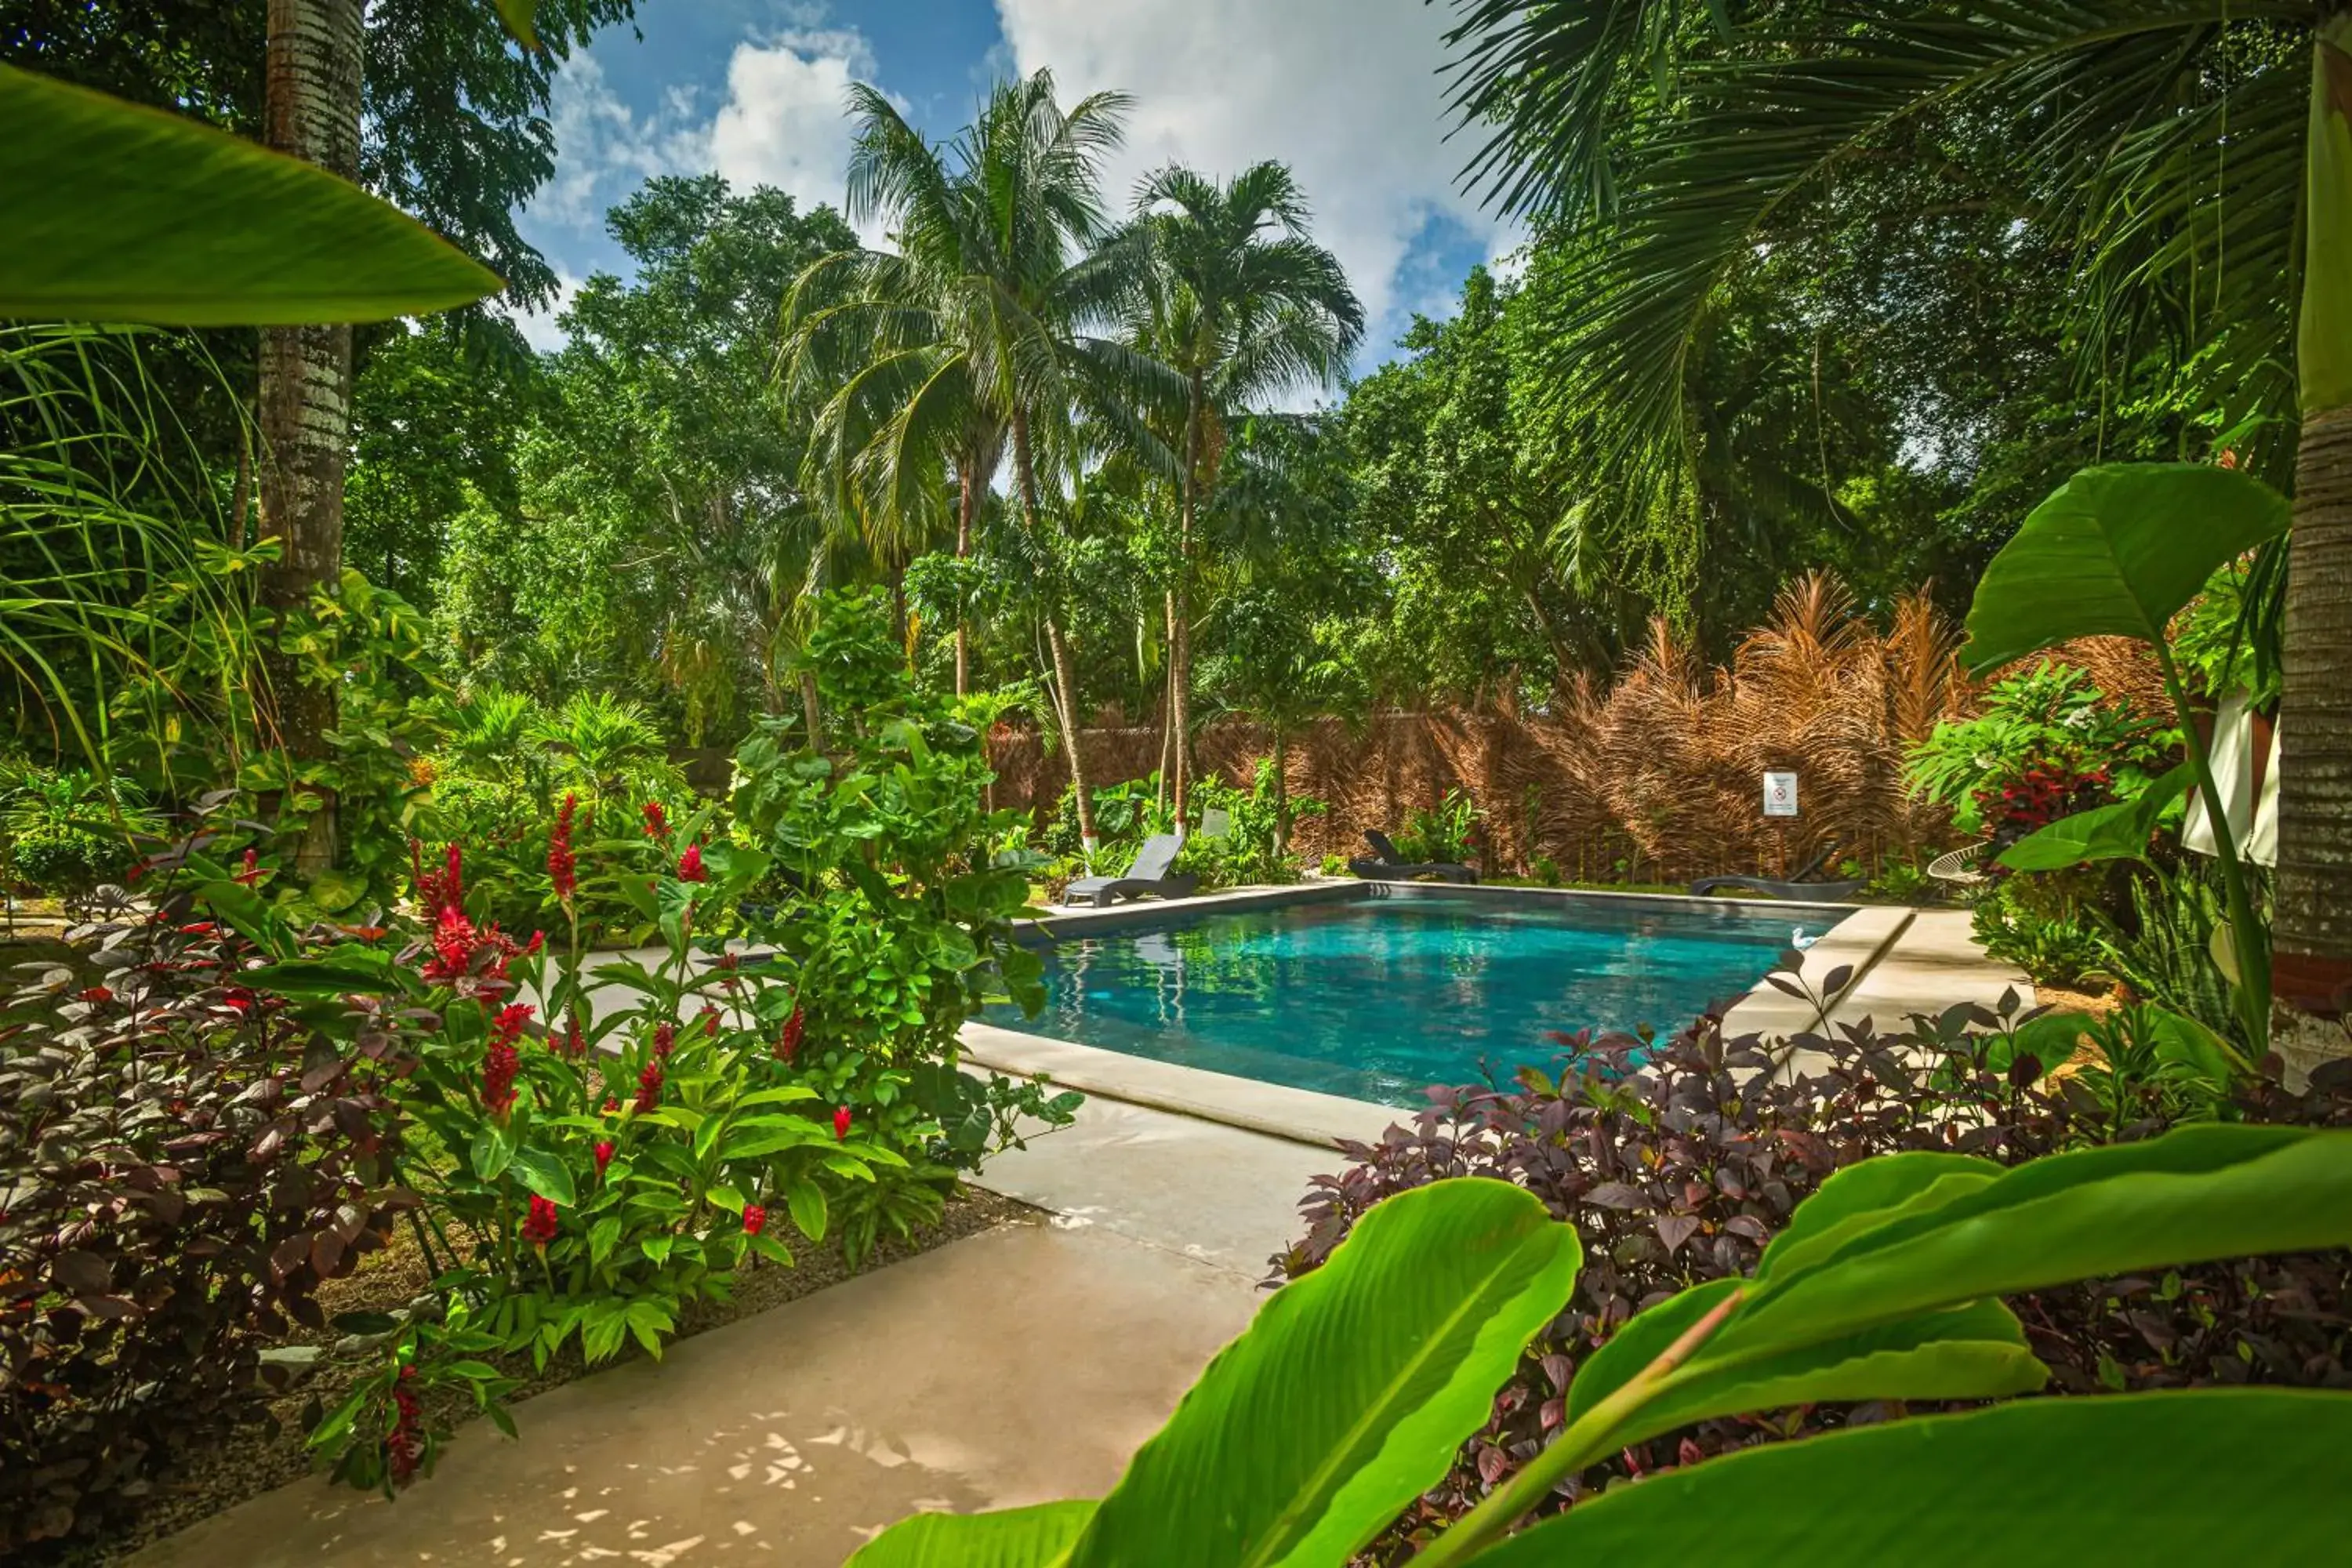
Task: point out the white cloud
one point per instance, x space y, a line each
538 327
1347 92
786 123
605 148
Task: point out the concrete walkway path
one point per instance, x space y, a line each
1016 1366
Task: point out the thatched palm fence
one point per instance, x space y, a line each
1657 778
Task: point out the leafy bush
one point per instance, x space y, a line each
1126 814
2051 720
183 1158
1441 834
1245 852
66 830
1678 1163
2063 948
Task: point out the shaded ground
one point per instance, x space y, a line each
253 1459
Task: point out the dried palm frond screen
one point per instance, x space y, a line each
1657 779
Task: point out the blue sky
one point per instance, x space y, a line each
1344 91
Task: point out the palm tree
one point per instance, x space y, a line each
2181 147
311 109
1243 306
984 333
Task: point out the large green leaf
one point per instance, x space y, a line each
2117 551
1888 1292
2117 832
1017 1538
2197 1193
2240 1475
1350 1392
120 212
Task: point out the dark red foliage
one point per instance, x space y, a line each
181 1166
1677 1162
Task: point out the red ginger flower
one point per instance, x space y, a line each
575 1043
657 821
755 1219
709 1019
649 1085
840 1122
612 1104
561 868
689 865
405 1448
251 875
500 1065
604 1154
539 1228
788 1045
441 892
665 1038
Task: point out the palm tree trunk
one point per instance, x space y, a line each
311 109
2311 967
1180 615
1065 676
967 502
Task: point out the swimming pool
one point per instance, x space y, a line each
1377 995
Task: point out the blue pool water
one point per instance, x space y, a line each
1375 998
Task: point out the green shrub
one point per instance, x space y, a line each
1441 834
2064 949
1244 853
2052 720
66 830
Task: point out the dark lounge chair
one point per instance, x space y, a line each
1385 864
1149 875
1801 886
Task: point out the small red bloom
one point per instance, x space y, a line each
405 1448
689 865
788 1046
561 868
657 821
575 1043
97 994
537 942
604 1154
649 1086
755 1219
840 1122
709 1019
538 1229
612 1104
251 875
664 1039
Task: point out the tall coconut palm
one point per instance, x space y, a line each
2181 147
1245 307
311 109
981 335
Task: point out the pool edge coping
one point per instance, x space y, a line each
1860 939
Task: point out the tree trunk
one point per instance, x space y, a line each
1281 794
967 503
810 714
2310 966
1065 677
1179 619
311 109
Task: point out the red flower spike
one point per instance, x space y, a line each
604 1155
575 1043
539 1228
840 1122
251 875
537 943
788 1046
96 994
562 867
689 865
612 1104
500 1065
755 1219
709 1018
649 1086
665 1038
657 821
